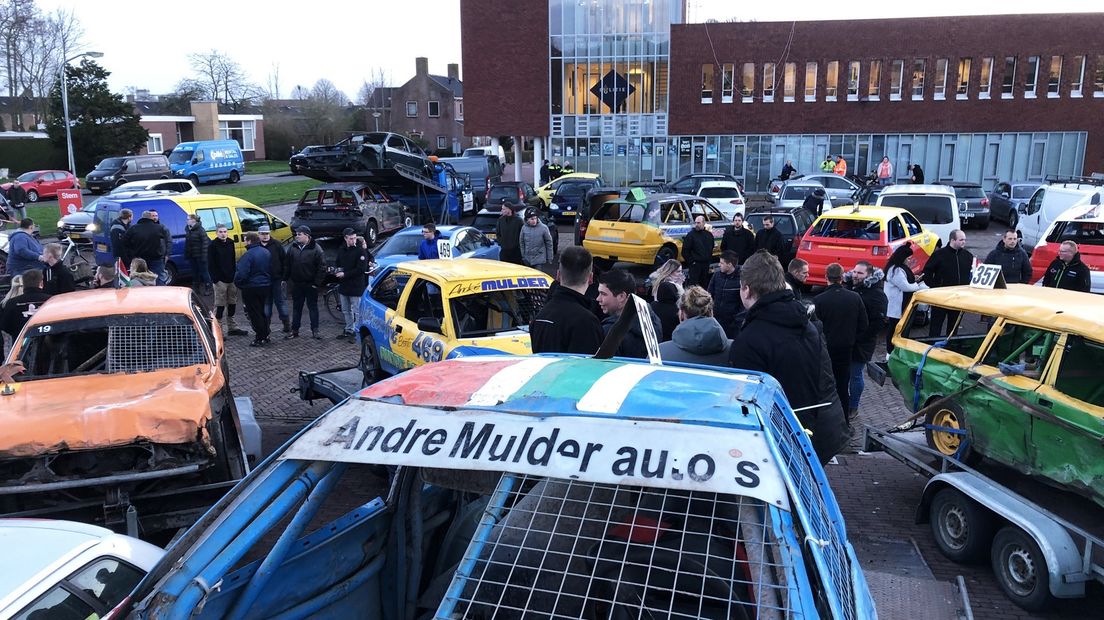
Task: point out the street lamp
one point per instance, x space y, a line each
65 107
376 116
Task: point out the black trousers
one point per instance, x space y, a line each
937 316
254 299
699 274
301 292
841 371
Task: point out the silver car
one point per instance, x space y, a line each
793 194
841 189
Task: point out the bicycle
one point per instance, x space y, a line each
82 269
332 300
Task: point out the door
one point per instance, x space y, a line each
1031 218
1000 201
423 301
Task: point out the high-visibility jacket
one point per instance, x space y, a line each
827 166
841 167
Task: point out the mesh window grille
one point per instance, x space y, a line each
144 348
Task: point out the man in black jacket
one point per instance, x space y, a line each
797 272
950 265
1013 259
768 238
195 250
866 280
614 290
843 316
278 298
305 269
566 324
737 238
58 278
697 252
145 240
724 287
508 234
118 228
351 270
222 264
166 248
1067 271
778 338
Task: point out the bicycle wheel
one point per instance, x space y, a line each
333 304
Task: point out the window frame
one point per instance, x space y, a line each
728 76
789 82
412 105
155 137
1098 76
811 80
919 72
1031 81
429 109
874 81
1054 82
896 86
747 82
939 85
768 91
854 79
1008 78
962 89
707 84
442 143
831 80
985 79
1077 87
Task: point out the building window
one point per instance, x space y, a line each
1078 76
789 81
412 109
986 80
242 131
1009 84
810 81
459 110
442 143
434 109
1055 76
853 69
963 91
919 66
940 91
728 77
707 84
1098 80
747 82
896 78
154 145
874 84
831 80
768 82
1032 81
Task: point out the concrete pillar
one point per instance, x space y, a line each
538 159
517 157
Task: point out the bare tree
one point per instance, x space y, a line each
48 40
324 91
222 79
375 80
274 81
326 113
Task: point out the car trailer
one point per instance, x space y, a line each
1043 543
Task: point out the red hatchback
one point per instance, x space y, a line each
43 183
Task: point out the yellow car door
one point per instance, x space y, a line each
212 217
419 332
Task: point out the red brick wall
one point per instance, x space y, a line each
888 40
505 56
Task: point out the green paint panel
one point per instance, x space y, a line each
567 379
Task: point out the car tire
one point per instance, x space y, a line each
371 233
32 195
408 221
234 176
369 363
665 254
1021 569
171 274
194 178
949 415
962 528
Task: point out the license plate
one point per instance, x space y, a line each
569 213
101 247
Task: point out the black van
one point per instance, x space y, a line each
484 171
114 171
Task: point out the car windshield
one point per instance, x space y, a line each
784 223
400 245
502 192
969 192
797 192
719 192
111 163
1023 191
840 228
493 312
1084 233
181 156
927 209
27 177
111 344
486 222
618 211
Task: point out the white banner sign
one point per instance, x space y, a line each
633 453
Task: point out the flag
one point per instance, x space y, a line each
122 277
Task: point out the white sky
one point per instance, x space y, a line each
146 45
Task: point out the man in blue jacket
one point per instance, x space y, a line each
427 249
24 251
253 278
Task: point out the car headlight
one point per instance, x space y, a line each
59 224
109 177
90 228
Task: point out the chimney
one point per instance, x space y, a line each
454 72
421 66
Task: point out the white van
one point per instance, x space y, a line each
934 205
1034 217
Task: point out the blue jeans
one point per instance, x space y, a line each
279 299
158 267
350 308
857 384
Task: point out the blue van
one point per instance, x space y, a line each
208 161
238 215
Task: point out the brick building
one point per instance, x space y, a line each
202 120
626 89
427 107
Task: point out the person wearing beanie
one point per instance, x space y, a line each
305 269
536 242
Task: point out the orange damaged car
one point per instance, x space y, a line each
123 413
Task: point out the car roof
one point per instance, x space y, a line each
577 175
468 269
498 183
863 212
719 183
942 190
960 184
768 210
139 300
1043 307
33 545
803 182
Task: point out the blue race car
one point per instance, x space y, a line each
466 242
528 487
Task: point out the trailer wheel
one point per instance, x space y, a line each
1021 569
950 416
962 528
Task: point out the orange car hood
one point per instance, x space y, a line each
168 406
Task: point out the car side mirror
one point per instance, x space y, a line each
429 324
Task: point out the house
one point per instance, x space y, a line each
429 108
170 123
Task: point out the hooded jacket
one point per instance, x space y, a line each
698 340
23 252
725 290
1074 276
948 267
566 324
536 244
897 287
144 240
58 279
875 302
353 261
196 242
220 260
1015 263
305 264
118 246
254 268
778 338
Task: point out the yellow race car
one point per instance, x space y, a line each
545 191
422 311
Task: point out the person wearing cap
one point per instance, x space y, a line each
166 249
278 297
508 234
304 271
252 278
536 242
350 268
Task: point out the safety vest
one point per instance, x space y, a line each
827 166
841 167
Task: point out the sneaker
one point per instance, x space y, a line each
257 343
316 335
291 335
237 332
342 335
352 338
266 342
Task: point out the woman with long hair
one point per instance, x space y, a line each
140 275
671 271
900 284
15 291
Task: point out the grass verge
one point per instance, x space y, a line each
266 166
261 195
46 217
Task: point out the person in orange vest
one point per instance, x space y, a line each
841 166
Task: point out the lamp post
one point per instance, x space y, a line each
65 107
376 116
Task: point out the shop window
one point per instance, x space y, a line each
1078 76
986 81
963 90
1031 81
768 82
831 80
1008 86
896 78
434 109
940 90
728 71
874 83
854 68
707 84
810 81
789 81
412 109
747 82
919 67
